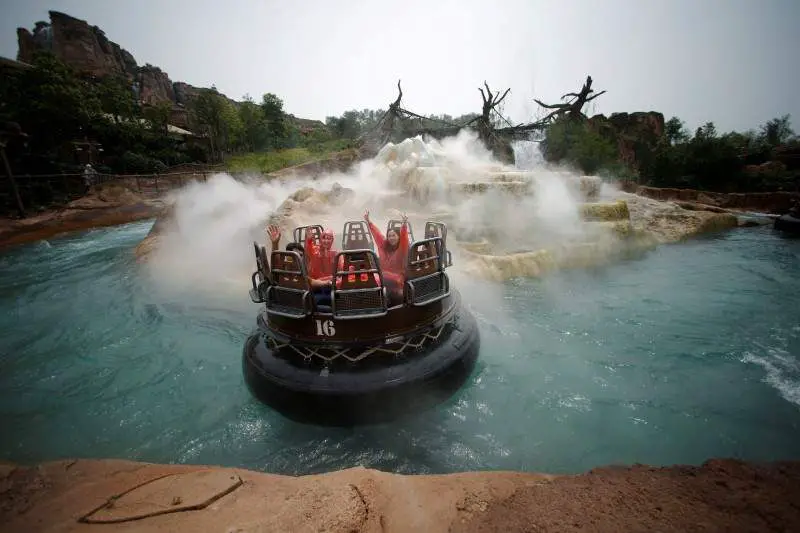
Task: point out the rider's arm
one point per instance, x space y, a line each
403 245
320 283
376 235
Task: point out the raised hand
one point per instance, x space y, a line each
274 233
366 215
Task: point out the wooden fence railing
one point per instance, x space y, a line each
39 192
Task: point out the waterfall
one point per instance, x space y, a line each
527 155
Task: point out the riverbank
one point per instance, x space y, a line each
76 495
116 203
111 206
775 203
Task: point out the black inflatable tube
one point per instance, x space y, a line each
787 223
421 381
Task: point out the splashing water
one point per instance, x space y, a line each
210 243
527 155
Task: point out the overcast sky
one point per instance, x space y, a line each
734 62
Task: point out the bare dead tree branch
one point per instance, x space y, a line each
502 97
572 109
396 104
594 96
551 106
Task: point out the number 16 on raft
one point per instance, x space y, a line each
325 328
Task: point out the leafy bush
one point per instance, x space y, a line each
135 163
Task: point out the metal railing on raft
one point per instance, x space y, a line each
47 191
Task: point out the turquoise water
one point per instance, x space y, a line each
689 352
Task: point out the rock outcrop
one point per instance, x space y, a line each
763 202
109 205
73 41
155 86
788 155
86 49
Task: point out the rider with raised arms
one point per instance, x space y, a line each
393 253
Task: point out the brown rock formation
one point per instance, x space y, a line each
86 49
768 169
184 93
765 202
720 495
789 155
73 41
155 86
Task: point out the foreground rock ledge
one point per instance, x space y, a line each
720 495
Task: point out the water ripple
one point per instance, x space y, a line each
674 357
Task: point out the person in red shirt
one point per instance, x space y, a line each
319 259
393 253
319 262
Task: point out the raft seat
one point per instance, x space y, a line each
290 292
358 290
426 280
438 229
397 225
301 232
261 278
356 236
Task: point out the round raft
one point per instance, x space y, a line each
788 223
367 355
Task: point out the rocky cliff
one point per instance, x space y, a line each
81 46
87 49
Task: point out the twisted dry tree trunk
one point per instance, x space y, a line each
381 132
572 109
490 103
486 131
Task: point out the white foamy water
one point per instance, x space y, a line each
216 222
781 366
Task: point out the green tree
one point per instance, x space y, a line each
217 117
574 142
49 101
275 119
777 131
206 112
158 116
705 132
116 97
347 126
232 132
254 127
675 131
